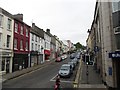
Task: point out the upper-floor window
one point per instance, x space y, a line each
116 5
26 45
8 41
21 44
39 40
21 32
9 24
32 37
39 48
15 43
26 32
36 38
32 47
1 20
35 47
16 27
0 37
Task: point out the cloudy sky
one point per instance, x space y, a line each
67 19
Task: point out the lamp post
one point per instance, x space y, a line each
87 73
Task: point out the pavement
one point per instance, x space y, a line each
15 74
90 80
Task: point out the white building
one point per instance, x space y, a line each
6 40
47 44
36 46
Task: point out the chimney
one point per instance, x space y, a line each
19 17
48 30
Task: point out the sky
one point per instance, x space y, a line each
67 19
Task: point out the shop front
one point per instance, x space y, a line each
47 54
6 62
33 58
20 61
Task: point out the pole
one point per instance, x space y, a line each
87 73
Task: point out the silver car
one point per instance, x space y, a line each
65 70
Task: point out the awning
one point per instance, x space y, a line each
47 52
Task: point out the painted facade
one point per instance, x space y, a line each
21 44
6 40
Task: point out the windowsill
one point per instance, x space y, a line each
15 49
9 30
16 32
1 27
21 49
21 34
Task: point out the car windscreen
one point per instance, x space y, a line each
65 67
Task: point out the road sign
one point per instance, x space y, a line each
114 55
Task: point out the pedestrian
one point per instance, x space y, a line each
57 83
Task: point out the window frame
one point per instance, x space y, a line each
9 24
16 28
21 44
21 30
16 45
26 46
1 20
8 41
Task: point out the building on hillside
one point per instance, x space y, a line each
6 40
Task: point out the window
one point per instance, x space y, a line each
26 45
8 41
32 47
16 27
116 6
21 32
9 24
15 43
32 37
0 37
38 48
26 32
21 44
45 45
1 20
36 38
39 40
35 47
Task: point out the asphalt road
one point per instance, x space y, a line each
41 78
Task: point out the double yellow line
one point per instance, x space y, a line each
77 78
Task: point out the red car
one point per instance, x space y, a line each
58 59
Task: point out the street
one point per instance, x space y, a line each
41 78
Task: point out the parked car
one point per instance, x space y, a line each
75 61
72 64
65 70
78 56
62 57
58 59
72 56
